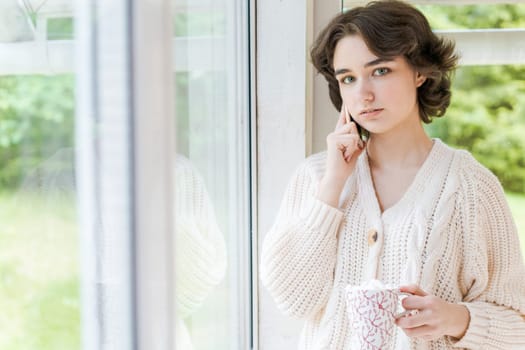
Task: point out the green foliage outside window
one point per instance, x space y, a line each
36 122
487 117
487 113
483 16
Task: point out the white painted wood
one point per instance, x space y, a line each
254 179
125 158
281 108
104 177
50 7
287 105
153 154
324 113
481 47
237 65
85 162
36 57
57 56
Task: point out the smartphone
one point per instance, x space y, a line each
363 133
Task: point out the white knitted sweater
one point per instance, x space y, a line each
451 233
200 249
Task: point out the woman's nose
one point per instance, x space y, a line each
365 91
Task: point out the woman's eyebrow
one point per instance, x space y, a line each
368 64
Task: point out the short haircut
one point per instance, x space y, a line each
392 29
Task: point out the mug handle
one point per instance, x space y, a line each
405 313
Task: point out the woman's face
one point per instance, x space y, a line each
381 95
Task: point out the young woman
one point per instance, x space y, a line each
399 207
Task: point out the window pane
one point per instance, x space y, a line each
39 288
484 16
59 28
211 181
487 117
487 113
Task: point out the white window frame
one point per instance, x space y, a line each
193 54
138 187
124 165
42 56
285 106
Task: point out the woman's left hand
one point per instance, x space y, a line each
435 317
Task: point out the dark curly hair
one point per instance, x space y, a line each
391 29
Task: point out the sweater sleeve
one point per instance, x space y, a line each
299 252
494 272
200 248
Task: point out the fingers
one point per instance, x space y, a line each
342 118
417 325
347 114
346 142
424 332
431 319
414 302
417 300
412 320
344 129
406 313
349 128
345 139
349 132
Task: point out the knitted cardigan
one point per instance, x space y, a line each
200 249
452 233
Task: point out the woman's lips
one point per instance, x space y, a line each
372 112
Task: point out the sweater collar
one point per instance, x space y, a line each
434 167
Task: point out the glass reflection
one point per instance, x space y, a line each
211 211
200 250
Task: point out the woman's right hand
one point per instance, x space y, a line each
344 145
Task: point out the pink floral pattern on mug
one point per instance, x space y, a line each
372 313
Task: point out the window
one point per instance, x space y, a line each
486 115
211 179
101 214
39 268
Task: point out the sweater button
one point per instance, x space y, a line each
372 237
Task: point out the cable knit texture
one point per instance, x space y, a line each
452 233
200 249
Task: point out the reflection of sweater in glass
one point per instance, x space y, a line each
200 250
452 233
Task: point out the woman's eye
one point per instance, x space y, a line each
347 80
381 71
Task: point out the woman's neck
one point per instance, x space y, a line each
402 148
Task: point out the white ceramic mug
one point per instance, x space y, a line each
372 311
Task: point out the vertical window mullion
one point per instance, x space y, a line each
124 154
104 177
153 141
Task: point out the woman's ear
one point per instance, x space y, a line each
420 79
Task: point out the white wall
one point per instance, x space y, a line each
284 106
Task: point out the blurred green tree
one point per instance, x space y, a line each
36 121
487 113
